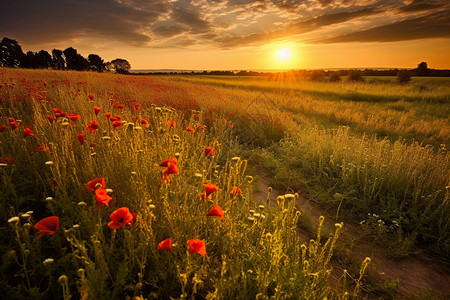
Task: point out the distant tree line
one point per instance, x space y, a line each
12 56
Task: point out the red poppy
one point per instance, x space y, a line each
80 137
171 169
108 115
50 119
234 192
145 122
11 120
216 211
92 144
2 128
209 151
74 117
166 162
91 97
119 106
165 245
47 225
42 148
197 246
27 132
93 126
120 217
97 110
209 189
171 123
13 125
201 127
117 124
92 185
102 197
190 129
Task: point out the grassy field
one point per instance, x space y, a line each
179 154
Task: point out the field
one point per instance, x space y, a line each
208 187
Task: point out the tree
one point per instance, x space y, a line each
422 69
121 66
355 76
96 63
334 77
11 54
58 61
74 60
403 76
317 75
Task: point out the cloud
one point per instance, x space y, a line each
421 5
169 30
434 25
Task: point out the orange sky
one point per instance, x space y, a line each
237 34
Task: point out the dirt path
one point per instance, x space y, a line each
417 275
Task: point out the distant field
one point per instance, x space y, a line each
149 183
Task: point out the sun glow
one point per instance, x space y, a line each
283 54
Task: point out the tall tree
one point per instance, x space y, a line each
74 60
96 63
11 54
422 69
58 61
121 66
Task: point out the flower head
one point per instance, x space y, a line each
80 137
190 129
96 183
234 192
93 126
102 197
209 189
27 132
165 245
97 110
47 225
216 211
197 246
120 217
209 151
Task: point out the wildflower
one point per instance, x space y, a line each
93 126
234 192
74 117
171 124
14 220
96 183
209 151
172 168
80 137
165 245
190 129
91 97
13 125
201 127
48 261
92 144
108 115
47 225
210 188
197 246
145 123
166 162
216 211
117 124
102 197
120 217
119 106
2 128
97 110
27 132
42 148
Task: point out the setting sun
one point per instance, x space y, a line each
284 54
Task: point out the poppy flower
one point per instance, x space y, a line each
119 106
108 115
234 192
171 123
50 119
47 225
171 169
209 189
42 148
102 197
2 128
216 211
197 246
93 126
80 137
166 162
91 97
201 127
165 245
117 124
97 110
27 132
145 123
74 117
120 217
92 185
209 151
13 125
92 144
190 129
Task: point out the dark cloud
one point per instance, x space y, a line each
421 5
295 29
190 18
169 30
435 25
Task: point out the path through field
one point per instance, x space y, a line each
417 275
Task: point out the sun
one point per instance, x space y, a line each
284 54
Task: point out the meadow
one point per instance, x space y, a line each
145 187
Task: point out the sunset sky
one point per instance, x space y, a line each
237 34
